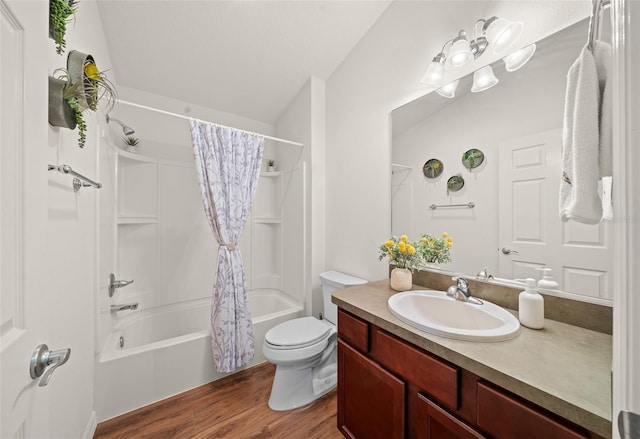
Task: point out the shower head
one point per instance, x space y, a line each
127 130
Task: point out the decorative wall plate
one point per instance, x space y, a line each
432 168
472 158
455 183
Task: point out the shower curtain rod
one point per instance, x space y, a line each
181 116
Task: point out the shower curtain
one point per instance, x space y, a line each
228 166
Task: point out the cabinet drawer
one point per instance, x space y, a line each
353 330
434 422
435 377
505 417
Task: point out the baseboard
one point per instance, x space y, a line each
90 429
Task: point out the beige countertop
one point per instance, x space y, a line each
562 368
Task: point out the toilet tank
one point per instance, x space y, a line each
332 281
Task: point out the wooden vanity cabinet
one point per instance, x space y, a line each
391 389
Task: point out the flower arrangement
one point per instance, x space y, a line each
432 249
401 253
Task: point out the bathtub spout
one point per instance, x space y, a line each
131 306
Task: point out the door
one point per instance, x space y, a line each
531 233
370 399
23 216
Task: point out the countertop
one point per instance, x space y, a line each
562 368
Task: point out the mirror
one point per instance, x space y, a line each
497 219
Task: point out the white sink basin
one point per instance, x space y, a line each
435 312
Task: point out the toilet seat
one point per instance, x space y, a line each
297 333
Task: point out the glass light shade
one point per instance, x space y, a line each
519 58
483 79
502 33
459 55
433 75
448 90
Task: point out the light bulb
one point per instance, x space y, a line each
502 33
483 79
448 90
435 72
519 58
459 54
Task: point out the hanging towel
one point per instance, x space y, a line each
579 199
603 58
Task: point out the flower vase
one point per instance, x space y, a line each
401 279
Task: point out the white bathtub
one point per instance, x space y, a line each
167 350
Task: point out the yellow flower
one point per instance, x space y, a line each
402 247
403 238
423 239
431 242
445 235
388 244
450 239
410 249
449 244
91 71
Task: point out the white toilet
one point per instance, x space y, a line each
304 350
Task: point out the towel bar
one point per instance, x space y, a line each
79 180
470 205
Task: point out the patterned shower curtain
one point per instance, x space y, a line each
228 166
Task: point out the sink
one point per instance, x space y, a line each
435 312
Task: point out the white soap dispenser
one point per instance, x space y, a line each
547 281
531 306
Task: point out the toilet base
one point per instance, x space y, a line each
294 387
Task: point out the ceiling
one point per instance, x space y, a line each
248 58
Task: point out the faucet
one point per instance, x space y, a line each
461 292
484 274
131 306
113 284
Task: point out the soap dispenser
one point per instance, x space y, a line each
531 306
547 281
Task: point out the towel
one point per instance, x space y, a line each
603 58
579 198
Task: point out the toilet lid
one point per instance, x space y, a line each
297 332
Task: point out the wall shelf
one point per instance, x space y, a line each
267 221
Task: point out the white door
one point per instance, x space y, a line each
23 215
531 232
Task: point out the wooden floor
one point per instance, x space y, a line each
234 407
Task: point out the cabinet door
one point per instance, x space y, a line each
370 399
434 422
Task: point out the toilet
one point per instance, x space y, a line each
304 350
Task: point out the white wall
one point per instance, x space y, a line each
381 73
304 121
71 246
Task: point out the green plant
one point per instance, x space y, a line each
84 94
60 13
131 140
271 162
432 249
401 253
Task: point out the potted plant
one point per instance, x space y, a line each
435 250
80 86
404 255
271 165
60 13
131 142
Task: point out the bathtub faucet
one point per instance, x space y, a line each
131 306
113 284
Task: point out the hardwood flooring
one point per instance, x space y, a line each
234 407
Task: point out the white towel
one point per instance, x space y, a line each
579 199
603 58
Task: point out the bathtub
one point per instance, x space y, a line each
156 353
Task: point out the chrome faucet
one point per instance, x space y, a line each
484 274
131 306
461 292
113 284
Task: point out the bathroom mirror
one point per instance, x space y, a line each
506 215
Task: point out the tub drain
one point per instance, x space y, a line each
121 342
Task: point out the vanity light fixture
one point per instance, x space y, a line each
519 58
448 90
483 79
497 33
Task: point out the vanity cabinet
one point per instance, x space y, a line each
389 388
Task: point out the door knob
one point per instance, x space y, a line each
113 284
43 357
506 251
